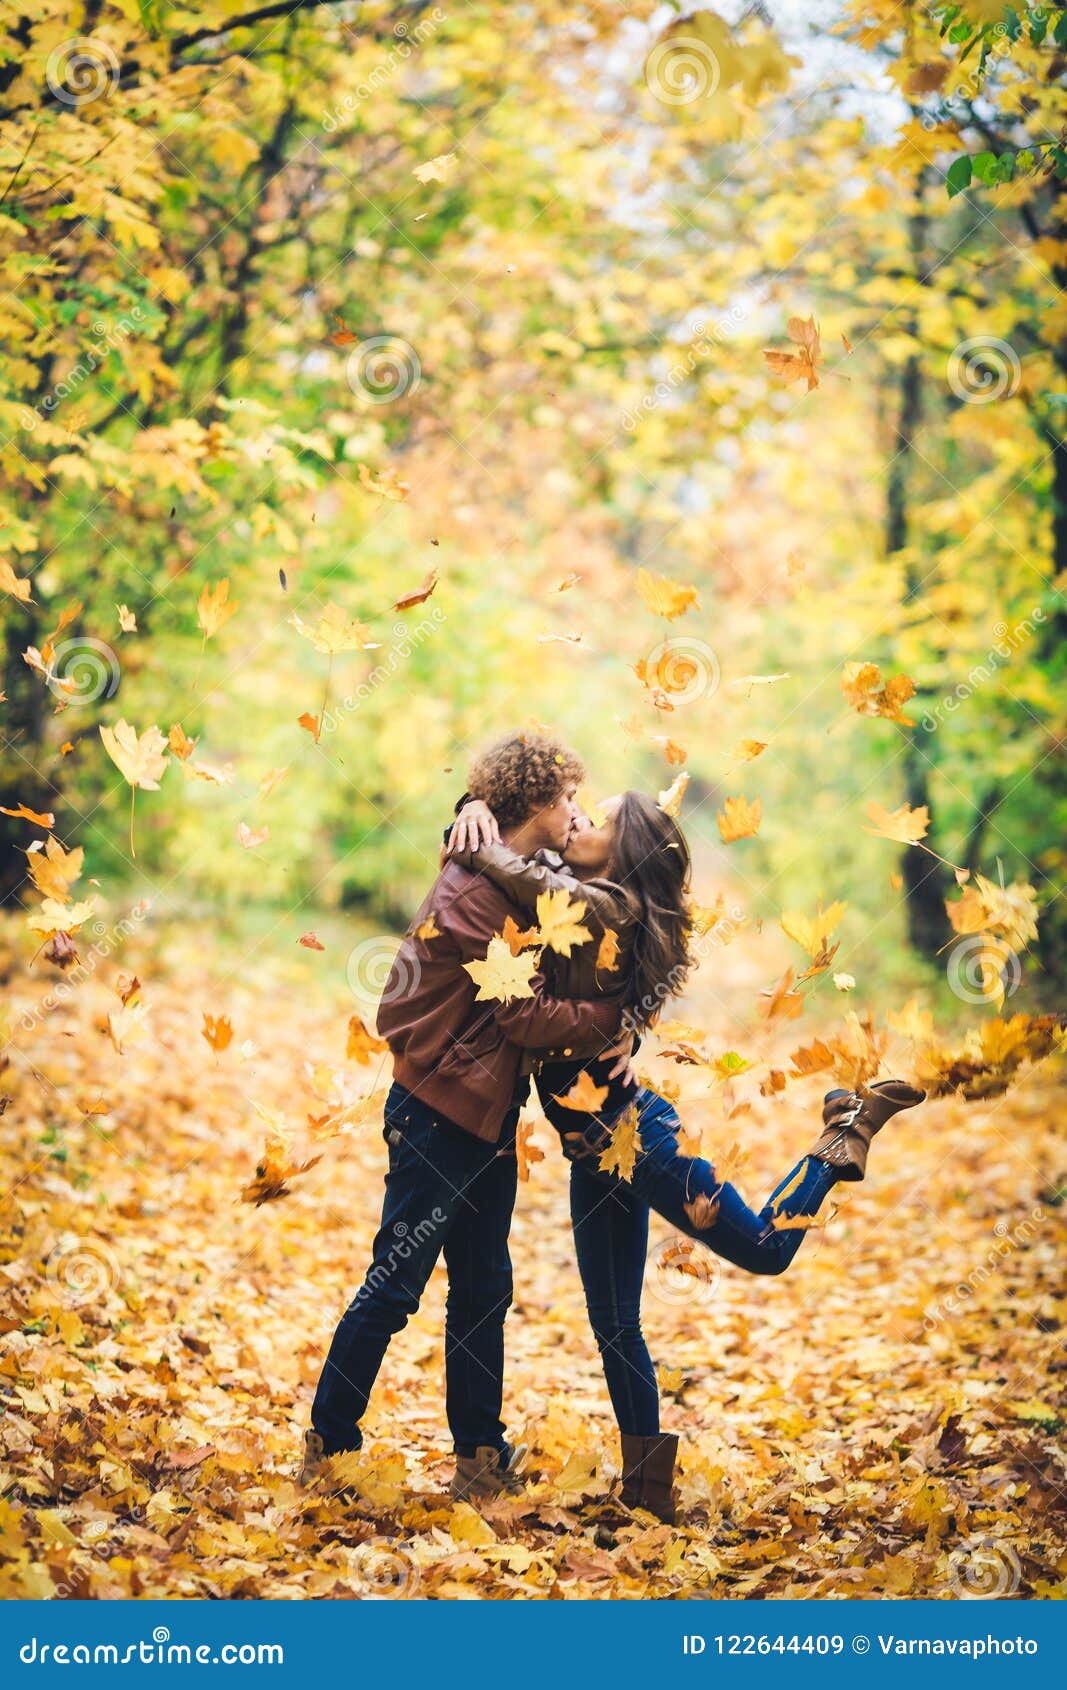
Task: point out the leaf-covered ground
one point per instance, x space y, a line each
883 1420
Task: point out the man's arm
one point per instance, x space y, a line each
523 879
540 1022
583 1025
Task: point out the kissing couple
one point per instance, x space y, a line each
470 1012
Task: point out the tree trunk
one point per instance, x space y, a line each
21 748
925 883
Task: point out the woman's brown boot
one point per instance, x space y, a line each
647 1473
852 1118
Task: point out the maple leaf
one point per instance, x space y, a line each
342 336
387 485
54 917
436 169
559 921
362 1043
11 583
180 743
584 1095
811 932
43 818
748 749
670 800
864 691
419 595
217 1031
54 870
428 929
620 1155
664 597
738 819
251 837
141 758
213 607
517 938
782 1000
526 1151
906 826
797 366
127 619
334 632
310 942
501 975
607 955
274 1170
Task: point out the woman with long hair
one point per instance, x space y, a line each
632 873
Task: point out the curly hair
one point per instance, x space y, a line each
521 774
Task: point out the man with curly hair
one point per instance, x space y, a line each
460 1078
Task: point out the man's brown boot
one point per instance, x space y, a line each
852 1118
648 1472
489 1472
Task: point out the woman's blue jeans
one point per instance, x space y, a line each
610 1219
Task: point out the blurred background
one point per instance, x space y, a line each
334 303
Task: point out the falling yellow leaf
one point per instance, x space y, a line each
584 1095
213 608
738 819
905 825
607 955
501 975
142 759
362 1044
670 800
664 597
620 1156
217 1031
436 169
559 922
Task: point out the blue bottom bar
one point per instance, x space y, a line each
549 1645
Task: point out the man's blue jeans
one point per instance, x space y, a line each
445 1191
610 1219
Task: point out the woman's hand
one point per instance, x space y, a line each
475 825
622 1068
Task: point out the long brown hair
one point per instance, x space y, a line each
650 858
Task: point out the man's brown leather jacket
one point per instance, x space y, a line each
461 1056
